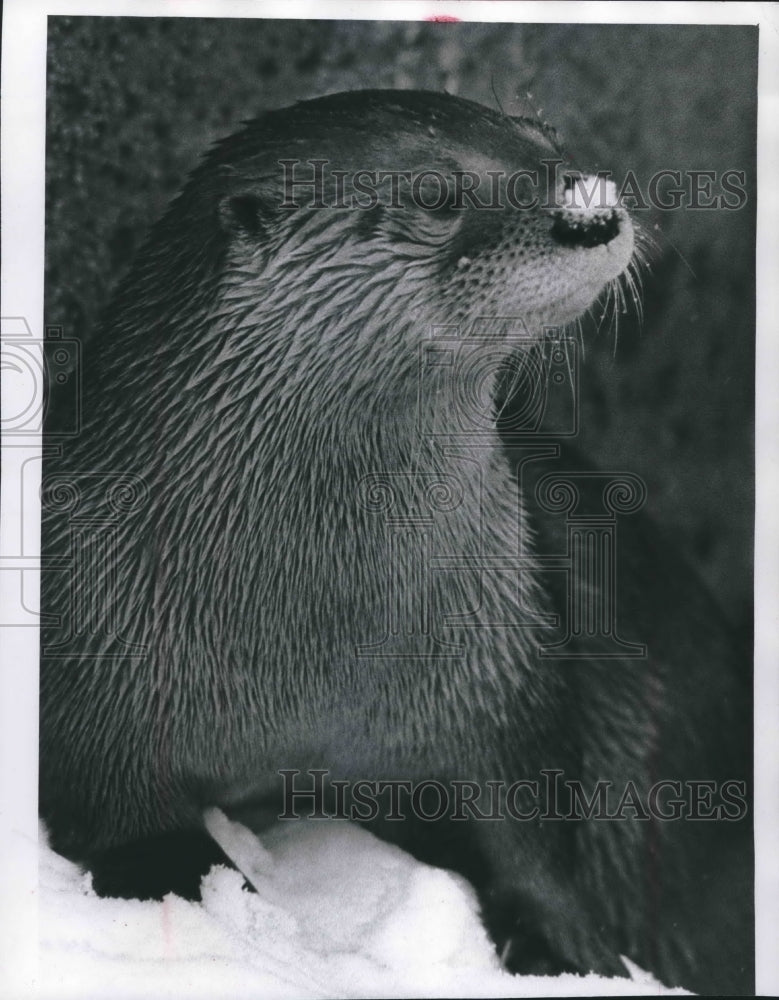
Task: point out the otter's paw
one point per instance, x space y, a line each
532 940
150 869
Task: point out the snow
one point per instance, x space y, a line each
337 913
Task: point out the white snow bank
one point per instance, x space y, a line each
338 913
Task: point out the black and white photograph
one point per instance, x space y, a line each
389 462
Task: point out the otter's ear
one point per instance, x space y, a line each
246 203
244 213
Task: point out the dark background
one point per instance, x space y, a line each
132 103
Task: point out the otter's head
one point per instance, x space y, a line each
317 246
442 206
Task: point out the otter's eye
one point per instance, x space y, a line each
434 192
368 221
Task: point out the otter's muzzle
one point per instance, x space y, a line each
589 215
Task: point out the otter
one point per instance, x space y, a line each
302 531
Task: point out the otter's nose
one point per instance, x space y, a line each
588 215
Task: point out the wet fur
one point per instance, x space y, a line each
254 369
